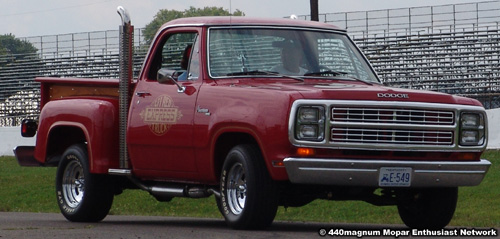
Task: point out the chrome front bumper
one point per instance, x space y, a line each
349 172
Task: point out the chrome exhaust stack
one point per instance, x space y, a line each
126 53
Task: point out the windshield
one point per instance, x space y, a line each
291 52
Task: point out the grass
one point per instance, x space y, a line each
24 189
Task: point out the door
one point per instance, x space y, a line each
160 132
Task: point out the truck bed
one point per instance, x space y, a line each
57 88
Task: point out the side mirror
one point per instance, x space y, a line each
167 76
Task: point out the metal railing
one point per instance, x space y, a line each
85 55
415 20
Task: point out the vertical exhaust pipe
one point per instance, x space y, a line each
126 53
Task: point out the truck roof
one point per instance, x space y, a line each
248 21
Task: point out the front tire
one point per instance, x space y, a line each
81 196
248 194
429 208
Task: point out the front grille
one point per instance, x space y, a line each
394 136
391 125
386 125
392 116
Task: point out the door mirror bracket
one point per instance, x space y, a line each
167 77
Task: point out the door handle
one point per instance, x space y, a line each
142 94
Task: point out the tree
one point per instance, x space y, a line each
12 48
166 15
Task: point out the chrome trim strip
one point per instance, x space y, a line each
387 125
394 163
119 171
453 172
338 169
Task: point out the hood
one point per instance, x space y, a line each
353 90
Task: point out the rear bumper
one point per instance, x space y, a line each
348 172
25 156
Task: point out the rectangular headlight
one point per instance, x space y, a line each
472 129
310 123
308 132
469 137
308 114
470 120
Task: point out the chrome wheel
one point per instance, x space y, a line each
236 189
248 198
81 195
73 184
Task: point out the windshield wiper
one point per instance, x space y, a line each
328 72
267 73
357 79
336 73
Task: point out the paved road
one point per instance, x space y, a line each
44 225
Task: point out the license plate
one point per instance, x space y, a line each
394 177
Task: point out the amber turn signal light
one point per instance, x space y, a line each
278 164
305 152
468 156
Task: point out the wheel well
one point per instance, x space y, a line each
60 138
226 142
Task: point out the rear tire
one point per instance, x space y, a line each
248 194
81 196
429 208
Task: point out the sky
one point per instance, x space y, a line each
26 18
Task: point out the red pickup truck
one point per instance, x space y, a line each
260 113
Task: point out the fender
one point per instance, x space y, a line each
262 122
96 118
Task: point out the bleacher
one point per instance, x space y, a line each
465 63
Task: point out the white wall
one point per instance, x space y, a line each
10 137
493 128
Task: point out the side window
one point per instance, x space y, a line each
194 64
174 54
174 48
